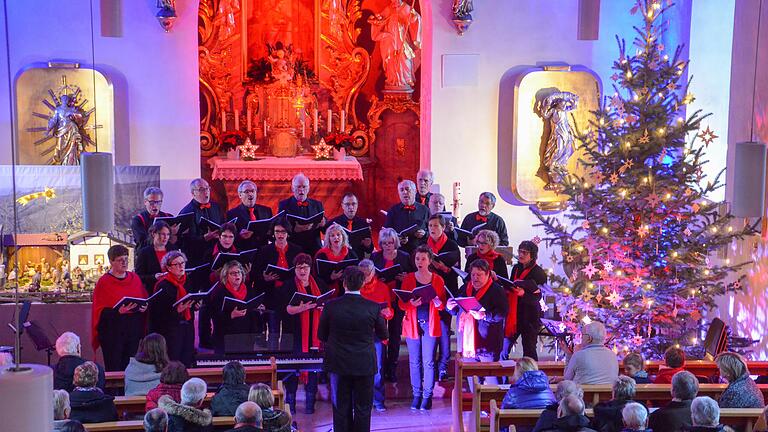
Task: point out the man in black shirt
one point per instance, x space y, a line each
406 214
304 236
248 211
349 220
153 201
484 214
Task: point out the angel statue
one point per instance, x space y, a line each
67 126
397 31
462 9
559 145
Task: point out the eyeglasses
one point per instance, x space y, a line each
155 202
177 264
249 191
235 273
227 236
121 260
302 267
201 189
281 232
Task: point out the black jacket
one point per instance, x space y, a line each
403 258
547 418
246 428
399 219
183 418
228 398
528 307
140 228
607 415
92 406
147 266
292 323
499 265
64 372
243 216
348 325
490 330
309 241
224 324
671 418
571 423
193 243
357 223
493 223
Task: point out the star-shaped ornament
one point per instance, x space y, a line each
247 150
736 284
597 176
608 266
642 231
638 340
688 191
589 270
553 257
599 297
653 200
630 118
672 86
707 135
695 207
571 315
645 139
615 77
536 240
587 296
687 232
614 299
637 281
585 224
614 178
569 258
322 150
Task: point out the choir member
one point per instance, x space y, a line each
388 256
149 257
437 205
481 332
248 211
484 214
153 201
377 291
528 276
174 323
279 253
196 241
335 248
439 243
424 180
300 204
407 213
421 328
225 244
486 242
306 316
351 221
232 320
117 331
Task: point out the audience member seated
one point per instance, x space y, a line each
89 403
144 370
593 362
570 416
634 367
530 388
676 415
742 392
705 416
547 419
72 426
61 408
155 420
608 415
68 349
674 359
273 420
187 415
247 418
762 421
635 418
233 390
173 376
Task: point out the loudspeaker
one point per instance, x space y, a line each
589 20
97 176
748 180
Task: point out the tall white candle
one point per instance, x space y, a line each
314 127
343 121
265 128
330 121
303 129
237 120
248 119
223 121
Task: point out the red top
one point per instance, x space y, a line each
665 375
377 291
160 255
108 291
410 322
172 390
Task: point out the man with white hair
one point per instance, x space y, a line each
61 408
68 349
676 415
424 180
153 202
608 414
705 415
306 236
570 416
549 415
187 415
247 418
635 417
593 362
408 217
155 420
246 212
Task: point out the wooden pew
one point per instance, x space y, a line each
212 376
742 418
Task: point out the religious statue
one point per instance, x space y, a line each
397 31
462 8
559 144
67 125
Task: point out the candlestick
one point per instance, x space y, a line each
330 121
314 124
223 121
343 121
237 120
248 119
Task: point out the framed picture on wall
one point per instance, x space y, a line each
98 259
82 260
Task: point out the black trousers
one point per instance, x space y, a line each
119 338
352 398
528 326
395 327
180 339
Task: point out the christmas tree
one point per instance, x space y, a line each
638 230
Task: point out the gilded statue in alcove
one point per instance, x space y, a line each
397 32
559 145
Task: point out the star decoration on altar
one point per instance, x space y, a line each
614 299
637 281
247 150
614 178
608 266
653 199
707 135
322 150
645 139
589 270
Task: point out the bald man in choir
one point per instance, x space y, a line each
153 202
484 215
246 212
405 215
424 181
305 236
351 222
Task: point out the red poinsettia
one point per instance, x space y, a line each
339 140
232 139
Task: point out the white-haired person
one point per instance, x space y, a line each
155 420
61 408
742 392
592 362
424 181
570 416
140 224
705 416
635 418
248 418
607 417
246 212
676 414
68 349
547 418
306 236
335 249
188 416
408 217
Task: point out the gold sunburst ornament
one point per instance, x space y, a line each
707 135
322 150
47 193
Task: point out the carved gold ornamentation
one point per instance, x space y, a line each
397 102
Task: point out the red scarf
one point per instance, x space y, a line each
180 290
240 293
468 325
309 314
331 257
282 261
510 324
216 250
108 291
438 244
489 257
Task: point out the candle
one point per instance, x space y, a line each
343 121
223 121
314 127
248 119
303 129
237 120
330 121
265 128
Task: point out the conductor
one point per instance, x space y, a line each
347 327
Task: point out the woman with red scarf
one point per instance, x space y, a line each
439 243
176 324
377 291
421 328
232 320
149 257
335 248
117 331
481 332
304 328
